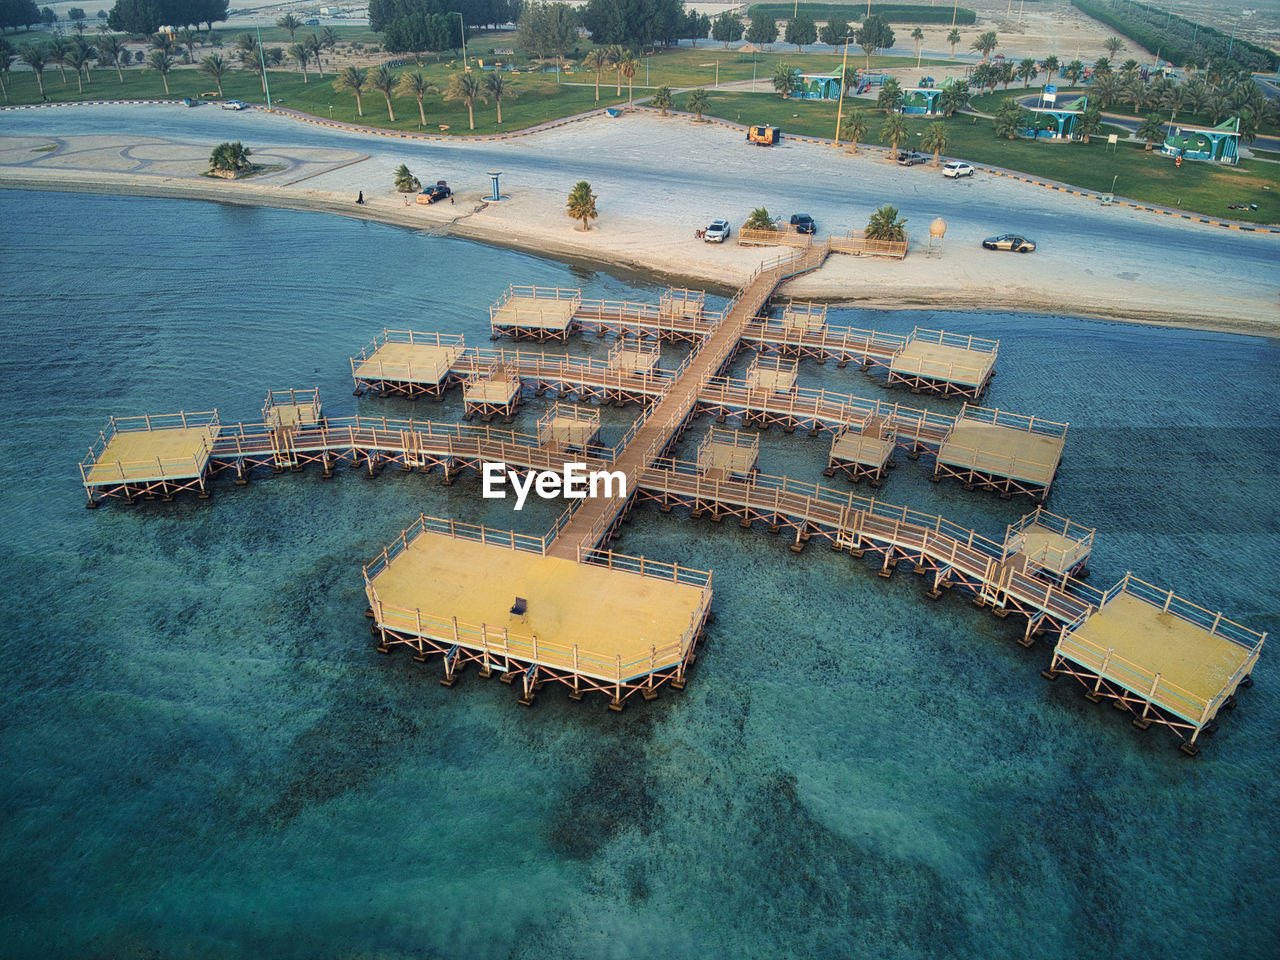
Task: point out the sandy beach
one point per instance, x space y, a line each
658 180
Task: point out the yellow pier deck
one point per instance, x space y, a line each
939 361
140 456
611 616
407 362
1179 666
1003 451
540 313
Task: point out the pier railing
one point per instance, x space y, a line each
1055 558
960 340
166 466
849 339
1015 421
570 294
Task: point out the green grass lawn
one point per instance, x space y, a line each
1195 187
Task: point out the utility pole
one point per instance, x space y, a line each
844 63
262 58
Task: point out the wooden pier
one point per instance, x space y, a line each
515 603
472 594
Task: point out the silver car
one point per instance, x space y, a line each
718 232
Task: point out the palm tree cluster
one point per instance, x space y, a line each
230 158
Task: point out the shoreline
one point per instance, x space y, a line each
842 282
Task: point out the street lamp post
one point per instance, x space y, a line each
844 63
462 27
262 57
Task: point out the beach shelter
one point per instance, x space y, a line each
921 100
1057 122
819 86
1220 144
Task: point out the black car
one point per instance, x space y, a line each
803 223
437 191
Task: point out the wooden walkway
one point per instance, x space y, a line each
593 518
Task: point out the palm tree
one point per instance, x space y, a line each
88 53
384 81
162 63
215 68
893 132
1089 124
1051 67
582 204
985 43
300 53
352 78
784 79
289 22
1135 91
1008 119
406 182
1151 129
188 38
6 60
760 220
1105 89
616 54
1196 94
1129 67
982 76
229 157
495 84
698 101
1173 99
854 128
77 59
312 43
1114 45
58 49
953 38
935 139
415 85
109 50
917 35
890 96
35 58
1075 70
1216 105
628 68
954 98
162 41
1028 70
252 58
598 61
1006 72
885 224
465 87
662 99
1101 66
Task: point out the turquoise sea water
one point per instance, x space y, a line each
205 757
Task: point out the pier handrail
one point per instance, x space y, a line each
963 341
1017 421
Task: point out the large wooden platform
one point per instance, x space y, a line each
1002 451
540 313
407 362
478 591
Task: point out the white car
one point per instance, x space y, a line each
235 105
956 169
718 232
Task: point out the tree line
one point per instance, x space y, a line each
16 14
1178 40
147 16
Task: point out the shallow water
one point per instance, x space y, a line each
205 757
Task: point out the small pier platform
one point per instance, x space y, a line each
408 364
473 594
863 450
1052 545
946 363
728 453
491 393
684 304
1008 453
805 317
629 355
771 373
566 427
537 313
292 409
1160 657
150 456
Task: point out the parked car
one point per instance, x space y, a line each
1010 241
956 169
437 191
718 232
909 158
803 223
311 22
235 105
